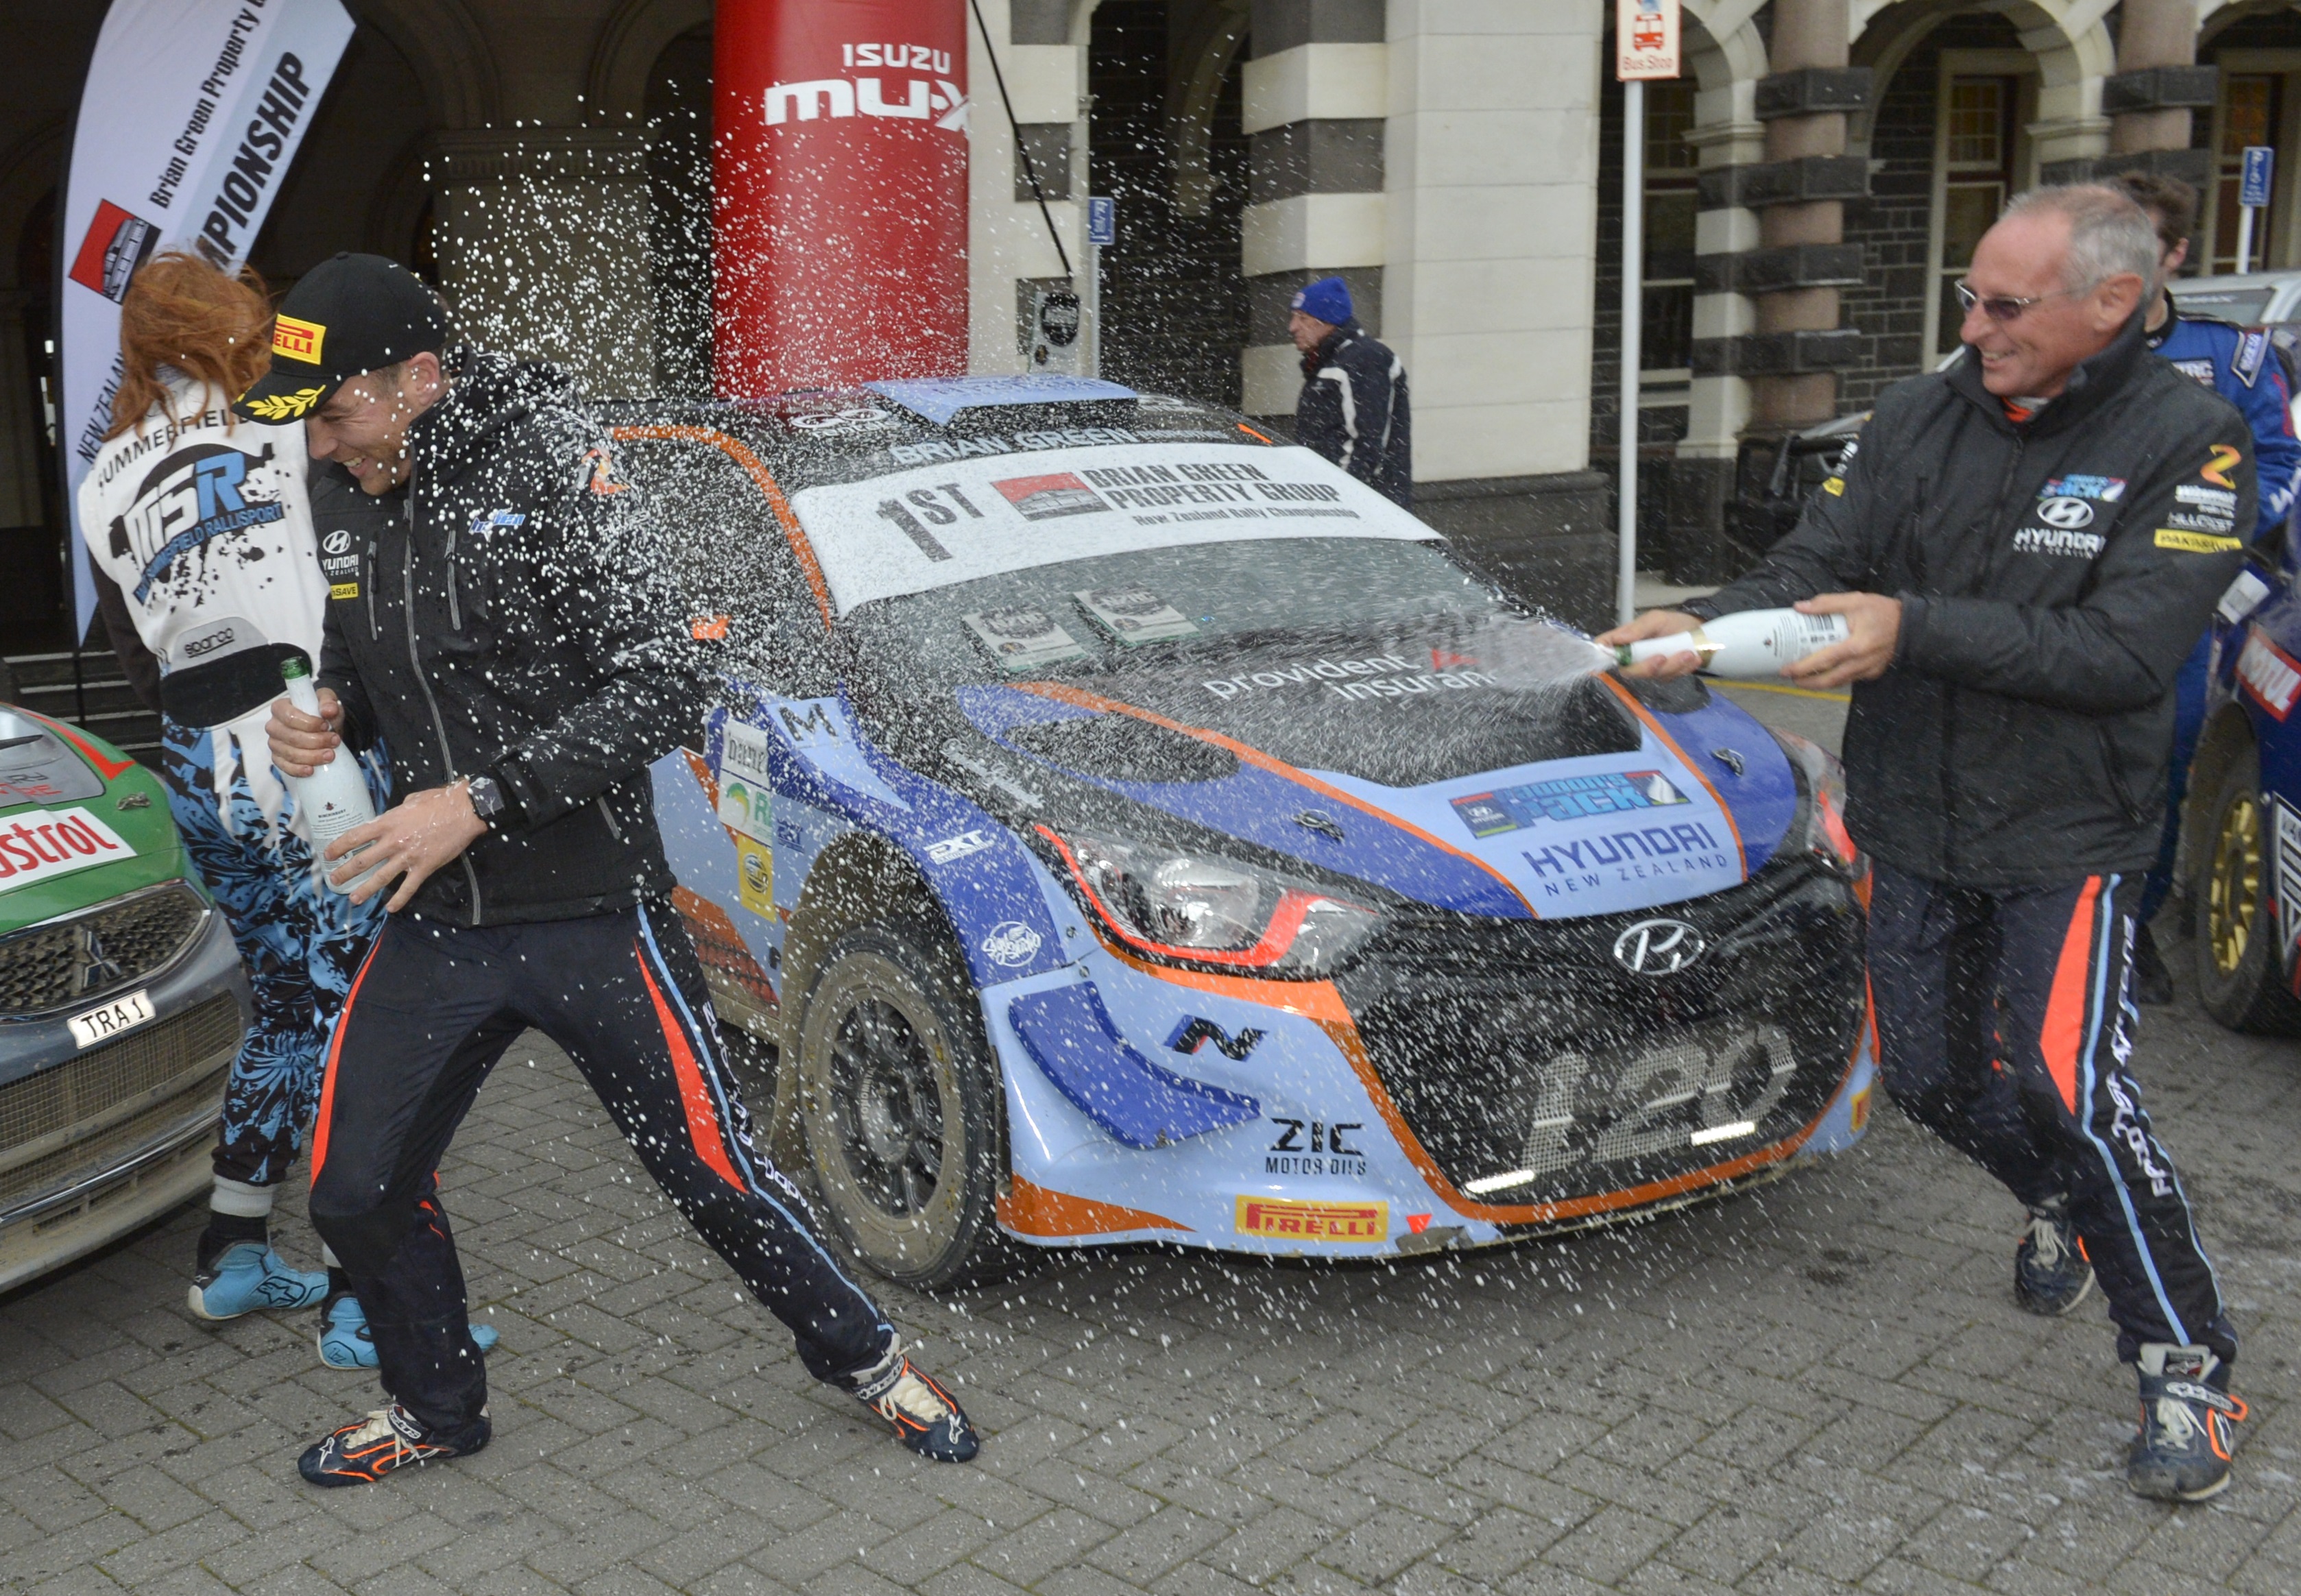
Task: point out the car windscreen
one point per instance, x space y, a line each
1104 615
2244 306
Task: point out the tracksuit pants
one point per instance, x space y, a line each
2004 1027
299 941
429 1013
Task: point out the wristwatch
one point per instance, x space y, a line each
486 798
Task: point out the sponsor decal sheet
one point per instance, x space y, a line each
930 527
192 112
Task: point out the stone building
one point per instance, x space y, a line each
1811 185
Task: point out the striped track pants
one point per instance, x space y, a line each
2004 1026
429 1014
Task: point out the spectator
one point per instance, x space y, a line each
1352 409
2025 548
2239 365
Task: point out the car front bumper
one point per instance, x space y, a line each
97 1141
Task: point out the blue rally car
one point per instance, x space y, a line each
1122 826
2241 825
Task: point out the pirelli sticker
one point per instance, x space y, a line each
293 340
1285 1219
2188 542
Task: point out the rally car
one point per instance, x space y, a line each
1123 826
122 1000
2241 823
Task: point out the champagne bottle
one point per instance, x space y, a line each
334 798
1749 643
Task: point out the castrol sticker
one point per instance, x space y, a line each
2271 675
42 846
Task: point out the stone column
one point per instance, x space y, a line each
1315 95
1800 262
543 235
22 460
2157 84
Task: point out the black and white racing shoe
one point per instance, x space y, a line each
2051 1273
387 1440
926 1417
2189 1424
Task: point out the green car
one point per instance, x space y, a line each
122 1000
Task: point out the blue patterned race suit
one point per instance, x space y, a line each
300 941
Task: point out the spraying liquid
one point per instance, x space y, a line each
1751 643
334 798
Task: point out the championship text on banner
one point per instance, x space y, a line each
1645 39
191 114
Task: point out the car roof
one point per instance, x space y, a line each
2251 299
804 439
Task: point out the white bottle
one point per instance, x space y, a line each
1749 643
334 798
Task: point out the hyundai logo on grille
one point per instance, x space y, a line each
1658 947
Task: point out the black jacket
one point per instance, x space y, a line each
2052 576
1353 411
504 615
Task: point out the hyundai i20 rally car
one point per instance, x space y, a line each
1126 827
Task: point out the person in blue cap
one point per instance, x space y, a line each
1352 409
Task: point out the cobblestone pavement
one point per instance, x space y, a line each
1823 1385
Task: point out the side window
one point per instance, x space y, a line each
727 555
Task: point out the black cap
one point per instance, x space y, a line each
349 315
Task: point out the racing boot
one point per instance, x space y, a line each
244 1276
2189 1422
346 1343
926 1416
389 1439
2051 1273
2152 982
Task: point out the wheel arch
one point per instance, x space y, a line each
2228 735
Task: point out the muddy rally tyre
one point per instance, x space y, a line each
2239 954
900 1106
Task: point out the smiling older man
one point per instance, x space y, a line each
2025 546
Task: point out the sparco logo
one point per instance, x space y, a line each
2065 512
1658 947
1010 943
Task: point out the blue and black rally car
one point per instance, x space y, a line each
1123 826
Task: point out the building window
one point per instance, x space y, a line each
1978 135
1666 350
2252 106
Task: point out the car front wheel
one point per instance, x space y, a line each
901 1105
2240 954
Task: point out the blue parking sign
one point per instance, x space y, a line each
2259 171
1101 220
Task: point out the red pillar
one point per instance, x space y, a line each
839 193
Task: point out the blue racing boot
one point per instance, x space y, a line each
926 1416
345 1343
2051 1272
248 1275
2189 1422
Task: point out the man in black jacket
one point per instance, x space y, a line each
492 614
1352 408
2024 547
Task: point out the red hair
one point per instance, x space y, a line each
182 312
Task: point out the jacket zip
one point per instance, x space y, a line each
608 816
455 610
415 664
368 576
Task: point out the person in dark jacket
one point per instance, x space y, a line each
1352 409
2024 547
492 614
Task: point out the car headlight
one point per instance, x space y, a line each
1204 909
1819 829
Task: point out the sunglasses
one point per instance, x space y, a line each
2004 307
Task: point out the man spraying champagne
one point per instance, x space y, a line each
2024 547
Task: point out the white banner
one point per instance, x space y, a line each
191 116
